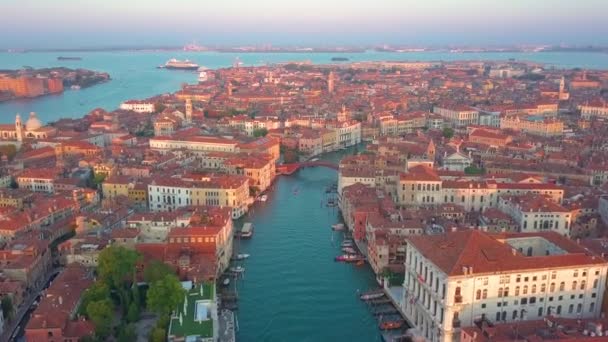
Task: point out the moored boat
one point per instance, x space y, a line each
372 295
389 325
237 269
338 227
263 198
247 230
349 257
226 281
349 250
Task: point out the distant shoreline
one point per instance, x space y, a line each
304 50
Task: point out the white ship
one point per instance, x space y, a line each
181 65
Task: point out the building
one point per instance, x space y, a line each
37 180
138 106
456 279
168 194
534 213
594 109
55 317
458 116
533 124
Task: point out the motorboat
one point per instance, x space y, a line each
226 281
349 258
237 269
338 227
389 325
372 295
264 198
242 256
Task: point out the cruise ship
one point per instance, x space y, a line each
182 65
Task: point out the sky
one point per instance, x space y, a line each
96 23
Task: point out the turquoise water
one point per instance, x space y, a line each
293 290
134 74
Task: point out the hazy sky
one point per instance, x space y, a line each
87 23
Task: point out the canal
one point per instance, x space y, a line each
292 289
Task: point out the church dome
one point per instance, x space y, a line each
33 123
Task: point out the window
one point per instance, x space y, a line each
559 309
591 306
533 288
478 295
516 291
552 287
485 294
571 308
525 289
524 301
574 285
583 284
562 286
500 292
514 316
540 311
595 283
532 300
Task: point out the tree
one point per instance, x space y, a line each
101 314
7 306
260 132
159 107
158 335
116 267
9 151
165 294
98 291
127 333
156 270
448 132
133 312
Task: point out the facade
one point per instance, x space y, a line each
594 109
138 106
534 213
458 116
454 280
533 124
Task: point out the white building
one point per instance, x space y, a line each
194 144
348 133
456 161
536 213
455 279
138 106
458 116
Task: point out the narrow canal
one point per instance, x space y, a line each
292 289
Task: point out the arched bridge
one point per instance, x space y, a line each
287 169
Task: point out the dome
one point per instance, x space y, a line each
33 123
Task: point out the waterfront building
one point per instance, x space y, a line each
454 280
138 106
37 180
168 194
195 144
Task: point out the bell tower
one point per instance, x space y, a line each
19 128
189 110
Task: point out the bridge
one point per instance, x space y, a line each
288 169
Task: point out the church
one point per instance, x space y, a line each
33 129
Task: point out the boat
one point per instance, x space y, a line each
75 87
63 58
338 227
372 295
242 256
339 59
264 198
180 65
349 258
360 263
237 269
226 281
349 250
389 325
347 243
247 230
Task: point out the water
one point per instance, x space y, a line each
293 290
134 74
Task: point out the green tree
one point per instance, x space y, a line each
156 270
448 132
158 335
116 267
9 151
260 132
159 107
165 294
133 312
7 306
127 333
98 291
101 314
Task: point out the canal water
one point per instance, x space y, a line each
292 289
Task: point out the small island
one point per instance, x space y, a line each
30 82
